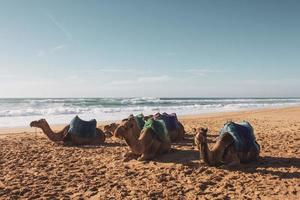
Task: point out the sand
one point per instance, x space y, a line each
32 167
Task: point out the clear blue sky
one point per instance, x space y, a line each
110 48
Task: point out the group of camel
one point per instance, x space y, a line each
145 143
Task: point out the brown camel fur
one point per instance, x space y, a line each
142 143
223 152
65 138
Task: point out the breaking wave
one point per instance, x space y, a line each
61 110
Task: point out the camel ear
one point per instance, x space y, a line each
194 130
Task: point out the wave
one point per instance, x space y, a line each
106 102
46 107
19 112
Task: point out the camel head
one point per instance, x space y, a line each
127 128
38 123
110 128
201 134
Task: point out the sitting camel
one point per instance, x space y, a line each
143 141
236 144
174 127
67 137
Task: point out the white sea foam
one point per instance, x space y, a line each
19 112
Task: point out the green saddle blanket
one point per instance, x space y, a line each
140 121
159 128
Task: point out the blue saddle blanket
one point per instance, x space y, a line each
170 120
242 133
82 128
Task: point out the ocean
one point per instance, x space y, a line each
15 112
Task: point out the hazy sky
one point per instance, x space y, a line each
124 48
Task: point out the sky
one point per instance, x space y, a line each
139 48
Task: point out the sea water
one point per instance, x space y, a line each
21 111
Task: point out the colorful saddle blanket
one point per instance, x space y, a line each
170 120
242 134
140 120
159 128
82 128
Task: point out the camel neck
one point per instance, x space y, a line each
133 144
136 131
49 132
46 128
204 151
127 140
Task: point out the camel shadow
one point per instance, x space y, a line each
111 144
179 156
213 136
187 141
264 163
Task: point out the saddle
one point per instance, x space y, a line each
243 135
159 128
81 128
170 120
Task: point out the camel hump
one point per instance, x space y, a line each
83 128
242 134
159 129
170 120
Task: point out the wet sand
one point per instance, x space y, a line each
33 167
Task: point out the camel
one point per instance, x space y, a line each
144 143
110 129
175 128
65 137
226 150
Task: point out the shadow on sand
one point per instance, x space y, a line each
180 156
275 164
186 142
111 144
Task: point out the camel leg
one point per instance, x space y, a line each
165 147
151 151
231 157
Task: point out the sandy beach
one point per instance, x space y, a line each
32 167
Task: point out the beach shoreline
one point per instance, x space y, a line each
18 113
33 167
23 129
